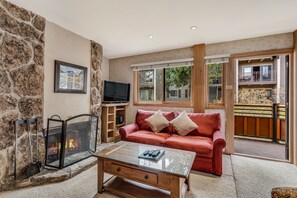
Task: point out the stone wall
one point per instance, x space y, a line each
96 83
21 85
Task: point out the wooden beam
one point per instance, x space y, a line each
198 79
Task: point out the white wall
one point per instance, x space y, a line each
63 45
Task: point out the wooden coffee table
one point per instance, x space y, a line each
135 177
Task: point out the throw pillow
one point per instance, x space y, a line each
183 124
157 121
141 115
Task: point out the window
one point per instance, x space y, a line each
266 73
146 95
247 73
177 78
149 83
173 93
161 85
146 76
215 83
255 73
186 93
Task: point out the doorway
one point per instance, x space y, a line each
261 106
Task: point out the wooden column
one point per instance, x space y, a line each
293 105
199 76
229 106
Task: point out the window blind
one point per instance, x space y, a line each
163 64
217 59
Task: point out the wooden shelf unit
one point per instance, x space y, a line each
109 126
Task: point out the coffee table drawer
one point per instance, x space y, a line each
134 174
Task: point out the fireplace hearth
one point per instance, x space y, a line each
70 141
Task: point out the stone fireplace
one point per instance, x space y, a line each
70 141
21 85
22 91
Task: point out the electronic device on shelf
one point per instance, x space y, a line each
152 154
116 92
120 119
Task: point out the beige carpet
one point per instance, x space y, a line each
252 178
256 177
84 186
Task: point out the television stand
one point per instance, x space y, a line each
110 129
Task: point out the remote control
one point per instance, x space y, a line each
159 151
150 152
156 153
146 152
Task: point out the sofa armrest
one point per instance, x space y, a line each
218 144
219 139
128 129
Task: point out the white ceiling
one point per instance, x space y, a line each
123 26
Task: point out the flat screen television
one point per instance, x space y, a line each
116 92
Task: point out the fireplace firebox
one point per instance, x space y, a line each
70 141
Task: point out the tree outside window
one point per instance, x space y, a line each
169 84
178 78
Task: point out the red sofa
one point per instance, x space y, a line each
207 141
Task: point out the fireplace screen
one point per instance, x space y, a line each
70 141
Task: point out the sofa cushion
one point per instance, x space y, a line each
157 121
148 137
183 124
208 123
143 125
201 145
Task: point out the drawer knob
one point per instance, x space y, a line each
146 177
118 169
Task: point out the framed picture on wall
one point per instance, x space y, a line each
70 78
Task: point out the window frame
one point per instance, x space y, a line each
163 103
210 105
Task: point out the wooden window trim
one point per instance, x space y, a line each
216 106
157 104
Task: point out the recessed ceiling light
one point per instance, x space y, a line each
150 36
194 28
